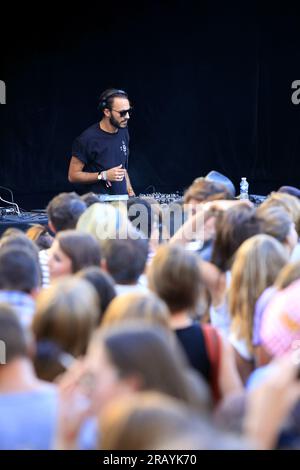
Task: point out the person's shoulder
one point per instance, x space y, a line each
90 131
191 331
44 391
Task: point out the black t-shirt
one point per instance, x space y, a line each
193 343
100 150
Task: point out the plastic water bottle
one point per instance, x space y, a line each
244 187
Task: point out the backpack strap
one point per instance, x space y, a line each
214 350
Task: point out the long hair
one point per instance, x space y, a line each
150 354
256 266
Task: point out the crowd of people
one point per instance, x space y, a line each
120 330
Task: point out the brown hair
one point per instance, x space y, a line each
288 202
151 355
126 259
82 248
12 335
205 190
139 424
66 315
275 221
233 227
174 275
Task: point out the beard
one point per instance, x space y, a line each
116 124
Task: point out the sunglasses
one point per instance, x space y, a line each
124 112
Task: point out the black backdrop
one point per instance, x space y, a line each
211 88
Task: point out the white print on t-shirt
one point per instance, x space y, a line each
123 148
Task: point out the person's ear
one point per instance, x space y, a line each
30 345
134 382
51 227
35 292
106 112
103 265
291 238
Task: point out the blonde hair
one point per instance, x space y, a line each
288 274
104 221
256 266
138 307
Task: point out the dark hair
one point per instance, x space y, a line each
12 335
19 269
143 202
233 227
20 241
89 198
111 93
51 360
275 221
82 248
103 283
126 259
64 211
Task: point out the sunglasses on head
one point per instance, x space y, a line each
123 112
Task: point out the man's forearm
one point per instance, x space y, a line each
128 183
83 177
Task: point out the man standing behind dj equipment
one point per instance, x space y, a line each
100 154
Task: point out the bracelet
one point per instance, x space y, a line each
104 175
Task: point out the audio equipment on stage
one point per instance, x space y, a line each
112 197
8 211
